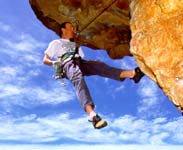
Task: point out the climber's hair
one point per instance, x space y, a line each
62 25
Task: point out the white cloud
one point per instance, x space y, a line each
127 63
24 43
147 132
5 27
8 70
50 128
23 49
150 99
64 126
16 88
159 120
54 96
120 88
9 90
158 138
174 126
20 95
9 73
148 88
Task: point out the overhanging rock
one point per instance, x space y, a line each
103 24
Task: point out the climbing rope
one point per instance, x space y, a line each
95 17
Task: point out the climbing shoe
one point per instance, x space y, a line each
98 123
138 75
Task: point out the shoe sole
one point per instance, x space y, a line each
138 76
100 124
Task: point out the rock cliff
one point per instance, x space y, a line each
150 30
157 43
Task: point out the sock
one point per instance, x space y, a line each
91 115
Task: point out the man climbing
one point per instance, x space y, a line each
74 68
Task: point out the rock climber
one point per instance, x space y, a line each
65 54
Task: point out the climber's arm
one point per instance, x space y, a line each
47 60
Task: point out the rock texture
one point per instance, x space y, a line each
156 38
103 24
157 43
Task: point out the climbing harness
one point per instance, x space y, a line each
58 66
59 73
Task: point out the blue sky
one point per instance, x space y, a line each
36 112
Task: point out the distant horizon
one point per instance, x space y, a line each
91 147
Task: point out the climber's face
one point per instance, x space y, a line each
68 31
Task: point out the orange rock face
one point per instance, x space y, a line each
157 43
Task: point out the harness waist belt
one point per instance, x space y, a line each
68 56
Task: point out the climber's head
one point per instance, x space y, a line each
66 30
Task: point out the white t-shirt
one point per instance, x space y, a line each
59 47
